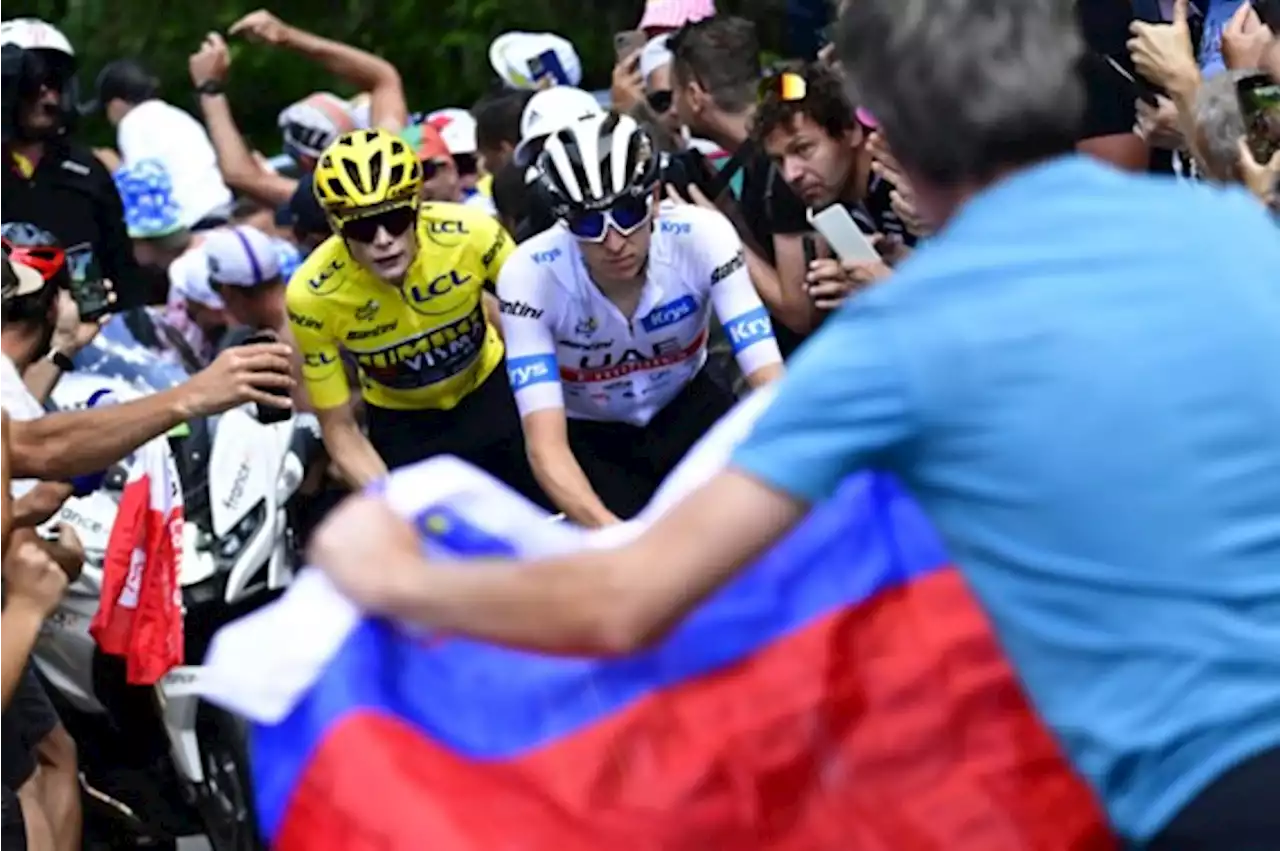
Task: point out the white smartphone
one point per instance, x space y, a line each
843 234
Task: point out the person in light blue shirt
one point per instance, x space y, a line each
1078 378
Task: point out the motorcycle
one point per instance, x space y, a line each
157 762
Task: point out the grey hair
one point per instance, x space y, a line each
964 89
1219 125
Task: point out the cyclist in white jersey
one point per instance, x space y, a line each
605 318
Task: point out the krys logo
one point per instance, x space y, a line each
441 295
669 313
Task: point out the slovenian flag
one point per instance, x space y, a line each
844 694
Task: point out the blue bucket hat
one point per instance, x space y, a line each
146 190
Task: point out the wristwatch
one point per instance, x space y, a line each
60 360
209 87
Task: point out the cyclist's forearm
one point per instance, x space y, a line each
71 443
561 476
353 455
764 375
794 310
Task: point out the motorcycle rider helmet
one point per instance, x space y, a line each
365 172
602 167
36 54
38 249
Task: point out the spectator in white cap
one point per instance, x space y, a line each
458 130
535 60
244 269
664 16
204 308
655 72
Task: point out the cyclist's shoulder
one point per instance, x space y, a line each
449 225
547 255
322 273
688 225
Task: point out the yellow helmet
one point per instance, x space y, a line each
363 170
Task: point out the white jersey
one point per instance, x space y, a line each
569 347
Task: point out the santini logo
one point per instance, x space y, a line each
748 329
534 369
518 308
669 313
725 270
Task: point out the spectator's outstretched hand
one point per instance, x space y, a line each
263 27
368 551
1245 39
1158 125
1163 54
32 578
1260 178
627 88
211 62
241 374
70 334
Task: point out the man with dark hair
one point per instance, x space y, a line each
715 72
809 128
498 127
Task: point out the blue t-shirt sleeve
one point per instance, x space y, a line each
840 408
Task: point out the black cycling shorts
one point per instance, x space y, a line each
484 428
626 463
1237 812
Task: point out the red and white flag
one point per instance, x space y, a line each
140 613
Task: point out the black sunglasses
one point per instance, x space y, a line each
395 221
466 164
660 101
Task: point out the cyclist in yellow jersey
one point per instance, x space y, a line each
401 290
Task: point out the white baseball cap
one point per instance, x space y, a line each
456 127
523 60
655 55
240 256
189 279
551 110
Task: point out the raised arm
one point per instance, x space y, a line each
240 169
360 68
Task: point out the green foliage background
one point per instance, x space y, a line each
440 46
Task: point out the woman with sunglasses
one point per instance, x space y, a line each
605 317
399 291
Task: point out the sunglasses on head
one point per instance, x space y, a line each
627 215
784 86
395 221
660 101
430 168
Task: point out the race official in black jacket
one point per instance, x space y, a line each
57 184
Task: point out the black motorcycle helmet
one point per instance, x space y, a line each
34 53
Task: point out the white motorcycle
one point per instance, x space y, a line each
159 763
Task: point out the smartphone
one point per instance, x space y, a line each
628 42
1259 98
1269 12
88 288
842 233
267 414
1138 86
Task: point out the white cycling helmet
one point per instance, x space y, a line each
595 162
35 34
548 111
37 52
313 123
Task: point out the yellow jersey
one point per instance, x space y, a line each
424 344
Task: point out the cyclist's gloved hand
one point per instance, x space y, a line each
87 483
